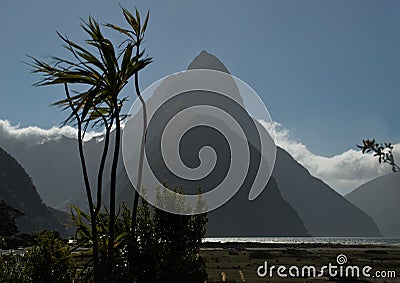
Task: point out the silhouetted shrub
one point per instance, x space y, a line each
49 260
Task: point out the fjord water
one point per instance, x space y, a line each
308 240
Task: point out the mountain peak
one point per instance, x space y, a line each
207 61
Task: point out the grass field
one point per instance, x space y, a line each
239 262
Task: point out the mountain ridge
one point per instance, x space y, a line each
18 191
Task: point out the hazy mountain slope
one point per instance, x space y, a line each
380 198
17 190
323 211
53 165
55 168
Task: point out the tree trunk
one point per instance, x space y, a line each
111 239
141 154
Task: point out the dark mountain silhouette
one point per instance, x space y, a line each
380 198
17 191
291 194
207 61
293 204
268 215
236 217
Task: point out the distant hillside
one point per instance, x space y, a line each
17 190
380 198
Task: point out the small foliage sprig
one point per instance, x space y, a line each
384 152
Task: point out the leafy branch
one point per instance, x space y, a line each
384 152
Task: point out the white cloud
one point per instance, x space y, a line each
343 172
36 135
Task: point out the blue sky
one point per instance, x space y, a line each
329 71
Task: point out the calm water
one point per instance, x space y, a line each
309 240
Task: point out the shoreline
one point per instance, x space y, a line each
255 245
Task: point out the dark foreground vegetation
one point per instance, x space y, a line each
165 248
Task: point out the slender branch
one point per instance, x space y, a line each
103 160
141 154
85 129
81 151
111 240
97 276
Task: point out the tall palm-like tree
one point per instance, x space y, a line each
104 72
135 37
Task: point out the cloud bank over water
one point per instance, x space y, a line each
343 172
